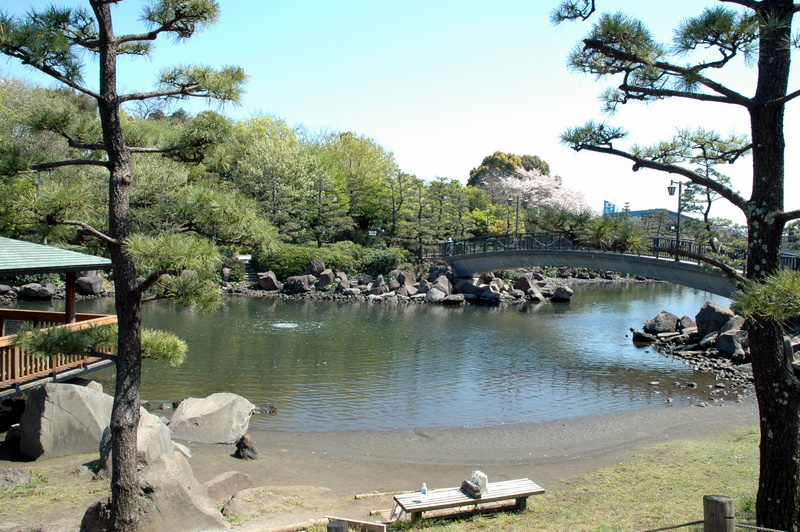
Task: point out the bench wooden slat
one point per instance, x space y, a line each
440 499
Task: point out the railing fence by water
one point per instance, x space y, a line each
658 247
718 516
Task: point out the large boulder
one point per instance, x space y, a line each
299 284
153 439
454 299
90 285
222 487
562 294
466 286
326 278
663 323
406 278
170 498
37 291
268 281
219 418
315 268
731 344
248 502
443 283
63 419
712 317
435 295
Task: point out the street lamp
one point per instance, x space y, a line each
671 190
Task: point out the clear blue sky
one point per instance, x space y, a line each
440 83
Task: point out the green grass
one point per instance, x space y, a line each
661 487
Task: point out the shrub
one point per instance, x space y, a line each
345 256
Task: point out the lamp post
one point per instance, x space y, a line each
671 190
510 202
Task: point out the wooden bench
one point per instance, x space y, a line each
413 503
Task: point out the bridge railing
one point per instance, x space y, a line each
659 247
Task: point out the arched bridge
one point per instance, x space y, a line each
479 255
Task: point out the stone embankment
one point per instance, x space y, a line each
440 287
715 342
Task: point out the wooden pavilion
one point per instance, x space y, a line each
20 371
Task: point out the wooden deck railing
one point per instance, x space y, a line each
17 366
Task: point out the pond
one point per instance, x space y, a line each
363 366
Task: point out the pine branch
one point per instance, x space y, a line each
58 164
726 269
86 227
640 162
731 96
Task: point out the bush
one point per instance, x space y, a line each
345 256
236 266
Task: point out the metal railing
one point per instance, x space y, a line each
657 247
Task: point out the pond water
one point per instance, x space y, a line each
360 366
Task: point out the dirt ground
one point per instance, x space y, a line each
319 474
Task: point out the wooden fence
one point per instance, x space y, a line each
19 370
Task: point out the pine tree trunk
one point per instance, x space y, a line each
125 412
777 388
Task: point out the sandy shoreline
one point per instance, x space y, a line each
340 465
319 473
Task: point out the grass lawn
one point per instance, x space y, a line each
661 487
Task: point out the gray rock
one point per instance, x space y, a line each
4 289
37 291
170 499
269 281
222 487
534 294
467 286
406 278
664 322
443 284
731 343
453 299
299 284
89 286
246 448
712 317
153 439
326 278
686 323
62 419
489 297
13 477
219 418
562 294
435 295
736 323
248 502
351 291
315 268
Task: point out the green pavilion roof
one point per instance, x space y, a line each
23 258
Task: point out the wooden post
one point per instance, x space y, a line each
718 514
72 278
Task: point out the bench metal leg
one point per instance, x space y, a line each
522 503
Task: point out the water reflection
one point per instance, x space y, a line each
354 366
